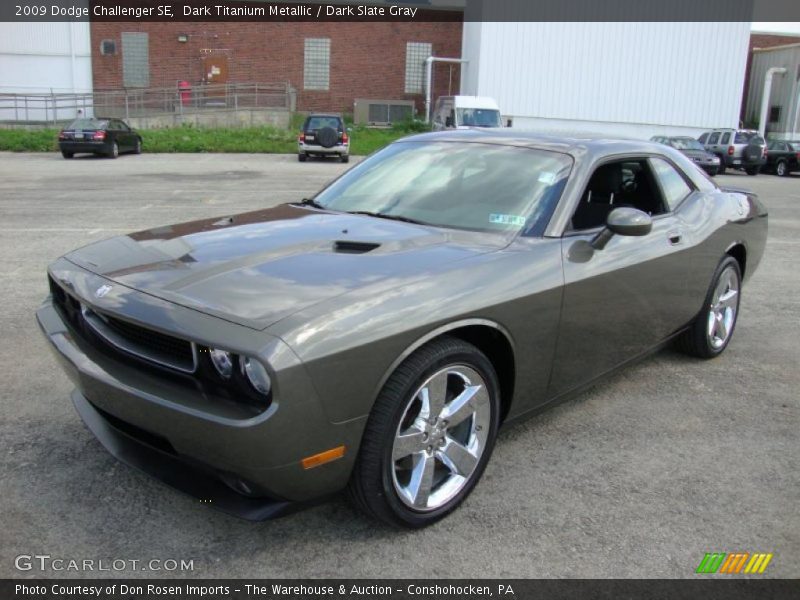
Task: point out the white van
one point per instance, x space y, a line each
463 112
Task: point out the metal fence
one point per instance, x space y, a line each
144 102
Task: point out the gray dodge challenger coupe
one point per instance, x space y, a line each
374 338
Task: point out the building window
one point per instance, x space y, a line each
317 64
774 114
416 53
135 60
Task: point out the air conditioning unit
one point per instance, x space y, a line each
382 112
108 47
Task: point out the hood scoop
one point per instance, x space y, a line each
351 247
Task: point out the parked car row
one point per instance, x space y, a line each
743 149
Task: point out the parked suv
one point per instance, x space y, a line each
323 135
741 149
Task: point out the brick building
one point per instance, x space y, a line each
328 64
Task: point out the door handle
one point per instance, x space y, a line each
675 237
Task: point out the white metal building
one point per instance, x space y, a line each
44 58
624 79
783 109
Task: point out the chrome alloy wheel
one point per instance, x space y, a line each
724 304
441 438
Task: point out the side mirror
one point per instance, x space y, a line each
448 122
623 221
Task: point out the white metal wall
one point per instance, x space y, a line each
785 90
44 58
635 79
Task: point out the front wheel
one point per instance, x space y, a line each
137 149
429 436
712 329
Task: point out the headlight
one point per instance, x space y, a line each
222 361
256 375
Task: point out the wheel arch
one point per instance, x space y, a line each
489 337
738 250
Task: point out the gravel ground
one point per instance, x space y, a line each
637 477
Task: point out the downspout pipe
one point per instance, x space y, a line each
762 121
429 76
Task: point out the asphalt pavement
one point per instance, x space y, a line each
638 477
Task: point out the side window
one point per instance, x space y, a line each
673 185
725 138
702 139
714 138
628 182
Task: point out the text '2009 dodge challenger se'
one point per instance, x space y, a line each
374 338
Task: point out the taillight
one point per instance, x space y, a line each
730 150
99 136
344 137
302 137
798 156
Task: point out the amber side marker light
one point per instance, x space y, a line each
323 457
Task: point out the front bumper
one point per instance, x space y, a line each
182 438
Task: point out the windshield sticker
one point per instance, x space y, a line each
547 177
506 219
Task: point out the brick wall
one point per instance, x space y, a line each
367 60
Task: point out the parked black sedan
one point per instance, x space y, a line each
783 157
108 137
693 150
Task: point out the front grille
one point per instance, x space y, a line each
141 342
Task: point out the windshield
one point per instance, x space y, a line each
686 144
478 117
745 137
480 187
87 124
320 122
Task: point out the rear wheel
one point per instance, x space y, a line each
429 436
302 157
752 170
781 169
721 170
114 152
345 158
66 154
712 329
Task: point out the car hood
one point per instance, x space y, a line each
257 268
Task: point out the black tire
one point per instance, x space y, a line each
781 169
753 171
137 149
371 486
302 157
66 154
327 137
345 158
114 152
722 167
695 340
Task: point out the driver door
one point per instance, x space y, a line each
624 299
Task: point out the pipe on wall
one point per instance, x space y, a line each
762 121
429 76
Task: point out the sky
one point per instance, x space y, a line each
777 27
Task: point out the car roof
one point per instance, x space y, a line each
326 115
529 139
